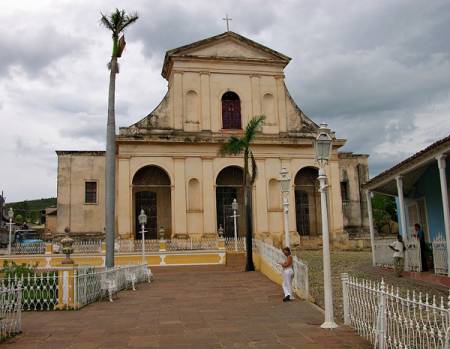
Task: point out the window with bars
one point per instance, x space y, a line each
90 192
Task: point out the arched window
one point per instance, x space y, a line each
231 111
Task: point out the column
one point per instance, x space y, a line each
256 96
261 221
402 211
209 197
124 188
205 101
281 104
179 210
178 100
371 228
444 191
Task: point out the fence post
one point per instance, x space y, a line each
381 319
344 278
48 248
221 244
162 245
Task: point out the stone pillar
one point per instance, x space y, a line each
209 197
67 288
281 103
256 96
178 100
371 228
261 222
445 206
123 211
205 101
402 211
180 197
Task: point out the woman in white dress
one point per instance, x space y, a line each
288 274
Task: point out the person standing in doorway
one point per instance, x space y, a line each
288 274
423 245
399 253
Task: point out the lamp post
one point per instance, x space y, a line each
143 221
322 147
234 207
285 182
10 216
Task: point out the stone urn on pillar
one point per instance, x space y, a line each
67 247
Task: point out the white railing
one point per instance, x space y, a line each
389 320
440 255
235 245
28 248
273 256
39 291
10 310
192 244
135 246
91 284
384 254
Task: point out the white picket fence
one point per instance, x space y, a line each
91 285
10 310
391 320
440 255
235 245
273 256
384 255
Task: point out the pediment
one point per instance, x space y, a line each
230 48
227 45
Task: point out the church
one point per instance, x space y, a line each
168 162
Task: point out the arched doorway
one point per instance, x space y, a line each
228 187
151 191
307 202
231 111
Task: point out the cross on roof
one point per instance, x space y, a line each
227 19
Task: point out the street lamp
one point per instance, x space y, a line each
143 221
322 147
285 182
10 216
234 207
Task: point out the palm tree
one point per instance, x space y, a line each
238 145
116 22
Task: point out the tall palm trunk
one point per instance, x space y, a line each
110 167
248 214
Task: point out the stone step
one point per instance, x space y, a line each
235 261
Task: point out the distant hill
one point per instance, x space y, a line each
30 210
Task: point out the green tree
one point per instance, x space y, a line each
236 146
19 219
116 23
384 211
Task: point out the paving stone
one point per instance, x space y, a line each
188 307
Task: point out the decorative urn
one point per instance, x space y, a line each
67 247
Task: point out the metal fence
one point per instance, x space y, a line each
439 245
388 319
235 245
384 255
134 246
273 256
91 284
192 244
28 248
39 290
10 310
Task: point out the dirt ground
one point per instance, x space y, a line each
358 264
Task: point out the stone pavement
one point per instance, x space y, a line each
188 307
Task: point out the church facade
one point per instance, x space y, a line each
168 162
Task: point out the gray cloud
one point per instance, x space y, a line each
376 71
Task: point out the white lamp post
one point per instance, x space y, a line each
10 216
143 221
285 182
234 207
322 147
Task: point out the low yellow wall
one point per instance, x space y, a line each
98 260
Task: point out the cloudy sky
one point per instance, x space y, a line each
377 71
